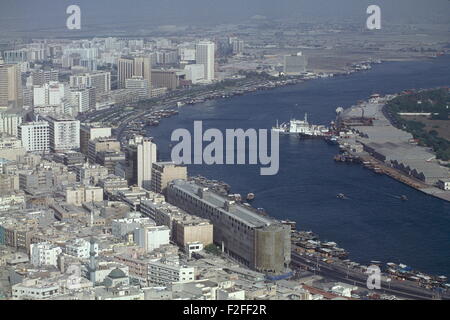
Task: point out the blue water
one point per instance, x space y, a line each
373 224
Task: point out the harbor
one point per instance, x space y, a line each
366 136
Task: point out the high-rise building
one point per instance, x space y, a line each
9 122
64 132
205 56
82 99
35 136
143 68
295 64
40 77
140 156
125 70
165 79
10 86
52 93
101 81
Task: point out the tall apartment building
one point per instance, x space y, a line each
10 86
41 77
35 136
52 93
64 132
205 55
127 68
260 243
101 81
82 99
140 155
143 68
165 172
9 122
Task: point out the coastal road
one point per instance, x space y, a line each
354 277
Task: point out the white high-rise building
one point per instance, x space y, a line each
52 93
205 56
44 254
82 99
64 132
9 122
35 136
141 154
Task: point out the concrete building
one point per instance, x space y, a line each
165 79
92 131
195 72
51 93
294 64
35 136
64 132
82 99
152 237
95 146
140 85
205 55
10 147
125 70
165 172
101 81
143 69
80 248
44 254
41 77
140 155
258 242
10 86
9 122
81 194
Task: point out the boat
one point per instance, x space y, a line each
341 196
302 128
403 197
333 140
250 196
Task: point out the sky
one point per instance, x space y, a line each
45 13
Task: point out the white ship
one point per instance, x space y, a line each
302 128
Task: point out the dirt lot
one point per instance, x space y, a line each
442 127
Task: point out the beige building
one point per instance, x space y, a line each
189 229
81 194
91 132
165 79
165 172
10 86
101 144
10 147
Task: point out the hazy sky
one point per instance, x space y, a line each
32 13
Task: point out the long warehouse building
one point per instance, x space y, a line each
260 243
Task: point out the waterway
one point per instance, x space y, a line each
373 224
